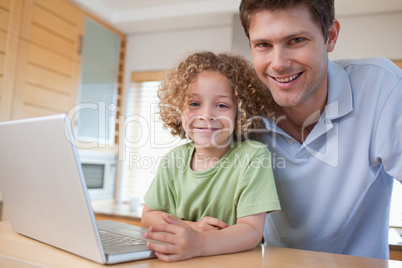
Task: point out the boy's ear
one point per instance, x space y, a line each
333 35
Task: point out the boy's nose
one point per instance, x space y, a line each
207 114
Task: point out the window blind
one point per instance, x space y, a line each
147 141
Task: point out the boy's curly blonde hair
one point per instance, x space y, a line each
253 99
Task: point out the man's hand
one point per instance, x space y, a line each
208 224
183 241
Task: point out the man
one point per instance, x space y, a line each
338 126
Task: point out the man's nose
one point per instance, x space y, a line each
280 59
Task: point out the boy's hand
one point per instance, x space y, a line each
184 242
208 224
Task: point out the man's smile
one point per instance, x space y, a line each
286 79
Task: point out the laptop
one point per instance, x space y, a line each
46 197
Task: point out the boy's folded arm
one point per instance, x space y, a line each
207 224
244 235
184 242
151 217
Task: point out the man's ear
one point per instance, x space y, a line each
333 35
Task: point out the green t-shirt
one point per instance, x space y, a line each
239 185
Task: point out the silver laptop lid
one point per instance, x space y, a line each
43 187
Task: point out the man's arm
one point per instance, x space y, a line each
184 242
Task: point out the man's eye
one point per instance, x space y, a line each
262 45
297 40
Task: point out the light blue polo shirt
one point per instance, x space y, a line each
335 188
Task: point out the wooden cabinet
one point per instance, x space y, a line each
40 43
10 14
41 57
395 252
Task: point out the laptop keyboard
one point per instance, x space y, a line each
113 240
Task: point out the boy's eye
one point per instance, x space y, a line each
222 106
193 104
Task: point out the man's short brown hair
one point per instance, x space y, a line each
322 11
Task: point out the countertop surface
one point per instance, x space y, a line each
19 251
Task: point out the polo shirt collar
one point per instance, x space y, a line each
340 99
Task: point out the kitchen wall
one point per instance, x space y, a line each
370 35
161 50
